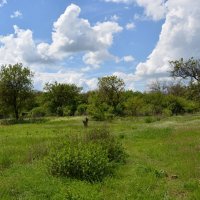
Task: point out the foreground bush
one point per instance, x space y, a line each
115 150
90 158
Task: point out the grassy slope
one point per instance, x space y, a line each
157 151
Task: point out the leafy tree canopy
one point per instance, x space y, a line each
15 88
60 95
110 90
186 69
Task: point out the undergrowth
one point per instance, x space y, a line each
90 158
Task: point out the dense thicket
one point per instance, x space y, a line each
110 99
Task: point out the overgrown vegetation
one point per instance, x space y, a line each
86 163
90 157
110 99
162 163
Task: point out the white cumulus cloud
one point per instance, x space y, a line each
130 26
95 58
114 17
3 2
129 79
128 58
16 14
19 47
179 38
71 36
63 76
121 1
154 9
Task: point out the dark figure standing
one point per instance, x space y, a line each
85 122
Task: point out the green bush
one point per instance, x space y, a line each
83 161
147 110
59 111
82 109
97 113
149 120
38 112
67 110
152 119
116 151
167 112
90 158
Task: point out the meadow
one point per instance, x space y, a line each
163 160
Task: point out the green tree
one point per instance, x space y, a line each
97 108
15 88
134 105
61 98
189 70
168 87
186 69
156 101
111 90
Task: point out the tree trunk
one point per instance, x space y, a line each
16 114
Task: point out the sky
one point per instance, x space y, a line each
78 41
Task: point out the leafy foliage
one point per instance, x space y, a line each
90 158
110 90
115 150
81 161
38 112
58 96
108 101
186 69
15 88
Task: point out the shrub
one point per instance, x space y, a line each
134 106
38 112
81 161
149 120
97 112
59 111
147 110
153 119
82 109
89 158
114 148
167 112
67 110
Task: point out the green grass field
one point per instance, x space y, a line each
163 162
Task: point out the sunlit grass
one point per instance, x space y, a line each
163 162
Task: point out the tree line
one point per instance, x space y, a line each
19 99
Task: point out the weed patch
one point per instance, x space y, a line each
90 158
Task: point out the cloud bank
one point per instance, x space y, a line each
154 9
179 38
71 35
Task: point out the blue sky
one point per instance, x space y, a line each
79 41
